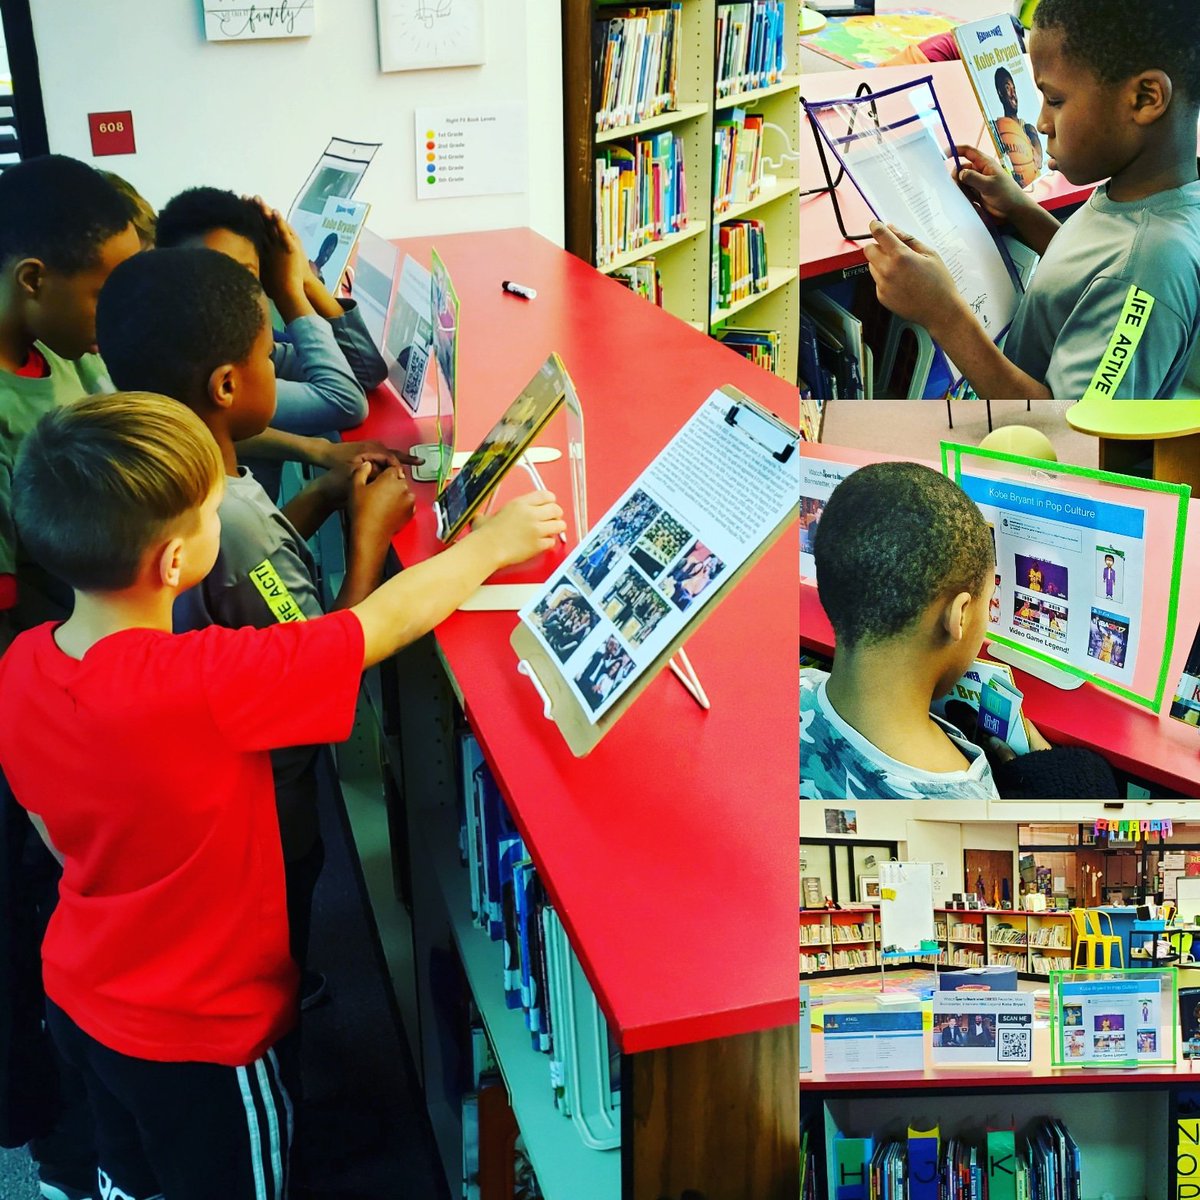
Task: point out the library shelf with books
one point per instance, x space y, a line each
843 940
1135 1130
653 249
688 259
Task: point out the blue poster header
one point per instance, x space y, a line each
1055 506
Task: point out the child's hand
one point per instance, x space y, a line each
1036 741
284 268
337 482
378 507
524 527
988 183
331 454
911 280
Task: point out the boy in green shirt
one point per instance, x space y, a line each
63 228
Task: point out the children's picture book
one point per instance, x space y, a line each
409 339
539 400
701 513
996 680
331 242
338 172
992 54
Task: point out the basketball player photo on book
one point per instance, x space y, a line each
991 51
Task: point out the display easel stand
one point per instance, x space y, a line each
1035 667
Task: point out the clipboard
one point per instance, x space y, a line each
777 438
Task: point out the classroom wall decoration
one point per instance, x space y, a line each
418 35
238 20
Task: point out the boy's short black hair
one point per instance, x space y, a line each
1160 35
190 215
59 210
167 319
893 538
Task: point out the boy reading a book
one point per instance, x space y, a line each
1114 308
143 758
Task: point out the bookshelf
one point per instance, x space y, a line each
1125 1126
1034 943
689 260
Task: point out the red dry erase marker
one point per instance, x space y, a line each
519 289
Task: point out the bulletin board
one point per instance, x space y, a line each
906 906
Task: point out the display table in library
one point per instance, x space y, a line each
669 851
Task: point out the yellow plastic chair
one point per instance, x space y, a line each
1181 944
1091 940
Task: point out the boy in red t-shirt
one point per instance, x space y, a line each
142 758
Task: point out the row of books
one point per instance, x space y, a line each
1049 935
847 960
637 59
1044 1165
737 160
641 194
1005 958
760 346
495 1163
963 932
810 415
965 958
742 261
540 973
819 961
810 1188
644 278
750 45
850 933
1007 935
813 934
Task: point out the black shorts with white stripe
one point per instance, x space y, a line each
189 1131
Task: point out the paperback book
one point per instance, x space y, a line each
993 56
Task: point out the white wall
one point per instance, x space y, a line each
253 116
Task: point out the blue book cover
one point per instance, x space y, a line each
923 1163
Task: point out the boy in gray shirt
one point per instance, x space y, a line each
1114 308
193 324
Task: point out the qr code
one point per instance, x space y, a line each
1014 1045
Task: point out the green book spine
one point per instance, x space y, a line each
1001 1165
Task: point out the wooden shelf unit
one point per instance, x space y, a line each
688 267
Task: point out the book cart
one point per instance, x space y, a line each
674 890
1136 1129
687 259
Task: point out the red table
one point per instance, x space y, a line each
1147 745
670 850
822 248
